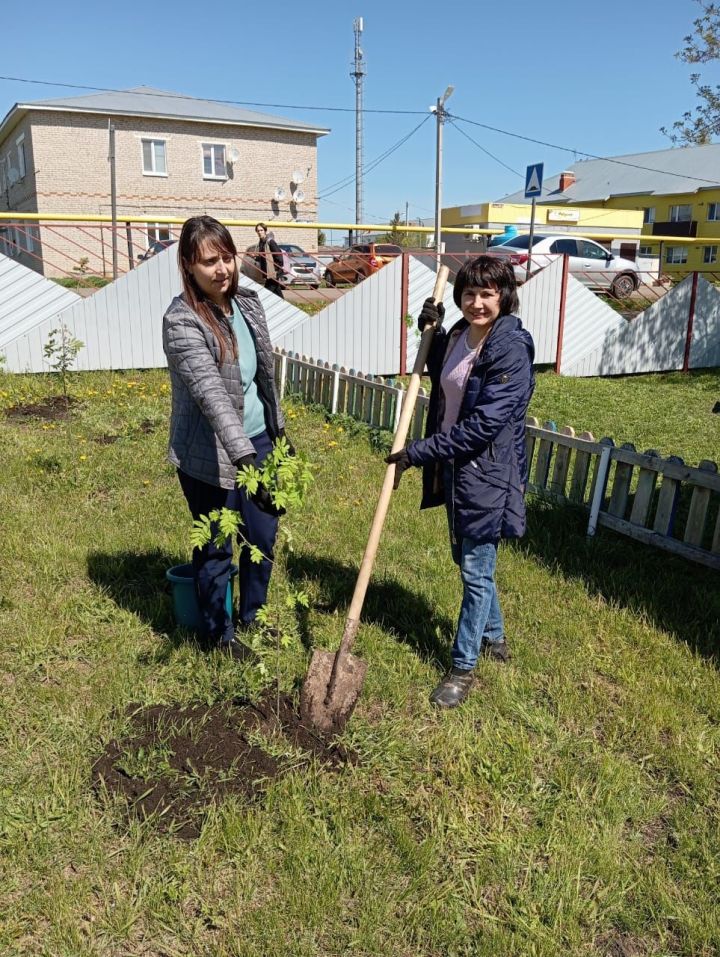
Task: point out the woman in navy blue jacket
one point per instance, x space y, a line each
473 457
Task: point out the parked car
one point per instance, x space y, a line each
298 266
589 262
359 262
155 248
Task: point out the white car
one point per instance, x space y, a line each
589 262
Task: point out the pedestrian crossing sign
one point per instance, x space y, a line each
533 180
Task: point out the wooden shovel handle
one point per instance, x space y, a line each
353 619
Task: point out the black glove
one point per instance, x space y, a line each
244 460
401 461
431 312
261 497
262 500
283 435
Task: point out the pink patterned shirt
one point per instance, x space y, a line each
454 377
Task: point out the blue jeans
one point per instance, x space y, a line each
212 564
480 620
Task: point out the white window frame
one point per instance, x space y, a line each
710 255
713 212
5 165
213 147
152 140
155 229
28 231
22 160
645 251
10 240
676 255
648 214
675 216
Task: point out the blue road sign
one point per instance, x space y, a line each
533 180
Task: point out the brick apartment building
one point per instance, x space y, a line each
174 155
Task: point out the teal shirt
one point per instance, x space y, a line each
253 412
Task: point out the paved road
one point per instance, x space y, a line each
303 294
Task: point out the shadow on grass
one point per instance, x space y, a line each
388 604
136 582
678 596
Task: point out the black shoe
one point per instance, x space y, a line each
237 650
453 689
497 650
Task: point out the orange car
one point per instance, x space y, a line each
359 262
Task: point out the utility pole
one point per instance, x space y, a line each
440 114
357 73
113 196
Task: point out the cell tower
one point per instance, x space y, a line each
357 73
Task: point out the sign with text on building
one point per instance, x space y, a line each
533 180
563 216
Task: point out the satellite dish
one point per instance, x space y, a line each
233 154
298 176
13 176
279 194
299 196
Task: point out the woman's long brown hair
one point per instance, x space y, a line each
196 231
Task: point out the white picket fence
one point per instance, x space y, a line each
655 500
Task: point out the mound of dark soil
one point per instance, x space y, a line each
178 760
54 407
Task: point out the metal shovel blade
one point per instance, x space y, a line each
329 711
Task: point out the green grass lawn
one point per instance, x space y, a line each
572 807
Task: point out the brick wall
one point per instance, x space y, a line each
70 154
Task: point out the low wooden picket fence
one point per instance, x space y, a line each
658 501
370 399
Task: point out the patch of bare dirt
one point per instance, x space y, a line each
54 407
177 760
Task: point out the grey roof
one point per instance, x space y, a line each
685 169
146 101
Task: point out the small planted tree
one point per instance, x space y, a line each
287 478
61 350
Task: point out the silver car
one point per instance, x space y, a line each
588 261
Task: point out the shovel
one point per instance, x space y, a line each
333 683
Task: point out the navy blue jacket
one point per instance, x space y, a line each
486 448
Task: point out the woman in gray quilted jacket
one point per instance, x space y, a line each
225 415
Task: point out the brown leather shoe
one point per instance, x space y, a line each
453 689
497 650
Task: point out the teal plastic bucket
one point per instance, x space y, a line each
185 606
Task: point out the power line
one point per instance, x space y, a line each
711 128
569 149
205 99
341 184
487 152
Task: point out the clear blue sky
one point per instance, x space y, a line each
604 80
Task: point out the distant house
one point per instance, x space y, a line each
677 190
175 156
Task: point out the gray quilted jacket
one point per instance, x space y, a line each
206 424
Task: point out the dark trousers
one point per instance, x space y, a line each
274 286
212 564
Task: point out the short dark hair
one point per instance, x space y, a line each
487 271
260 226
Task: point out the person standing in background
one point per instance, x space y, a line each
269 260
